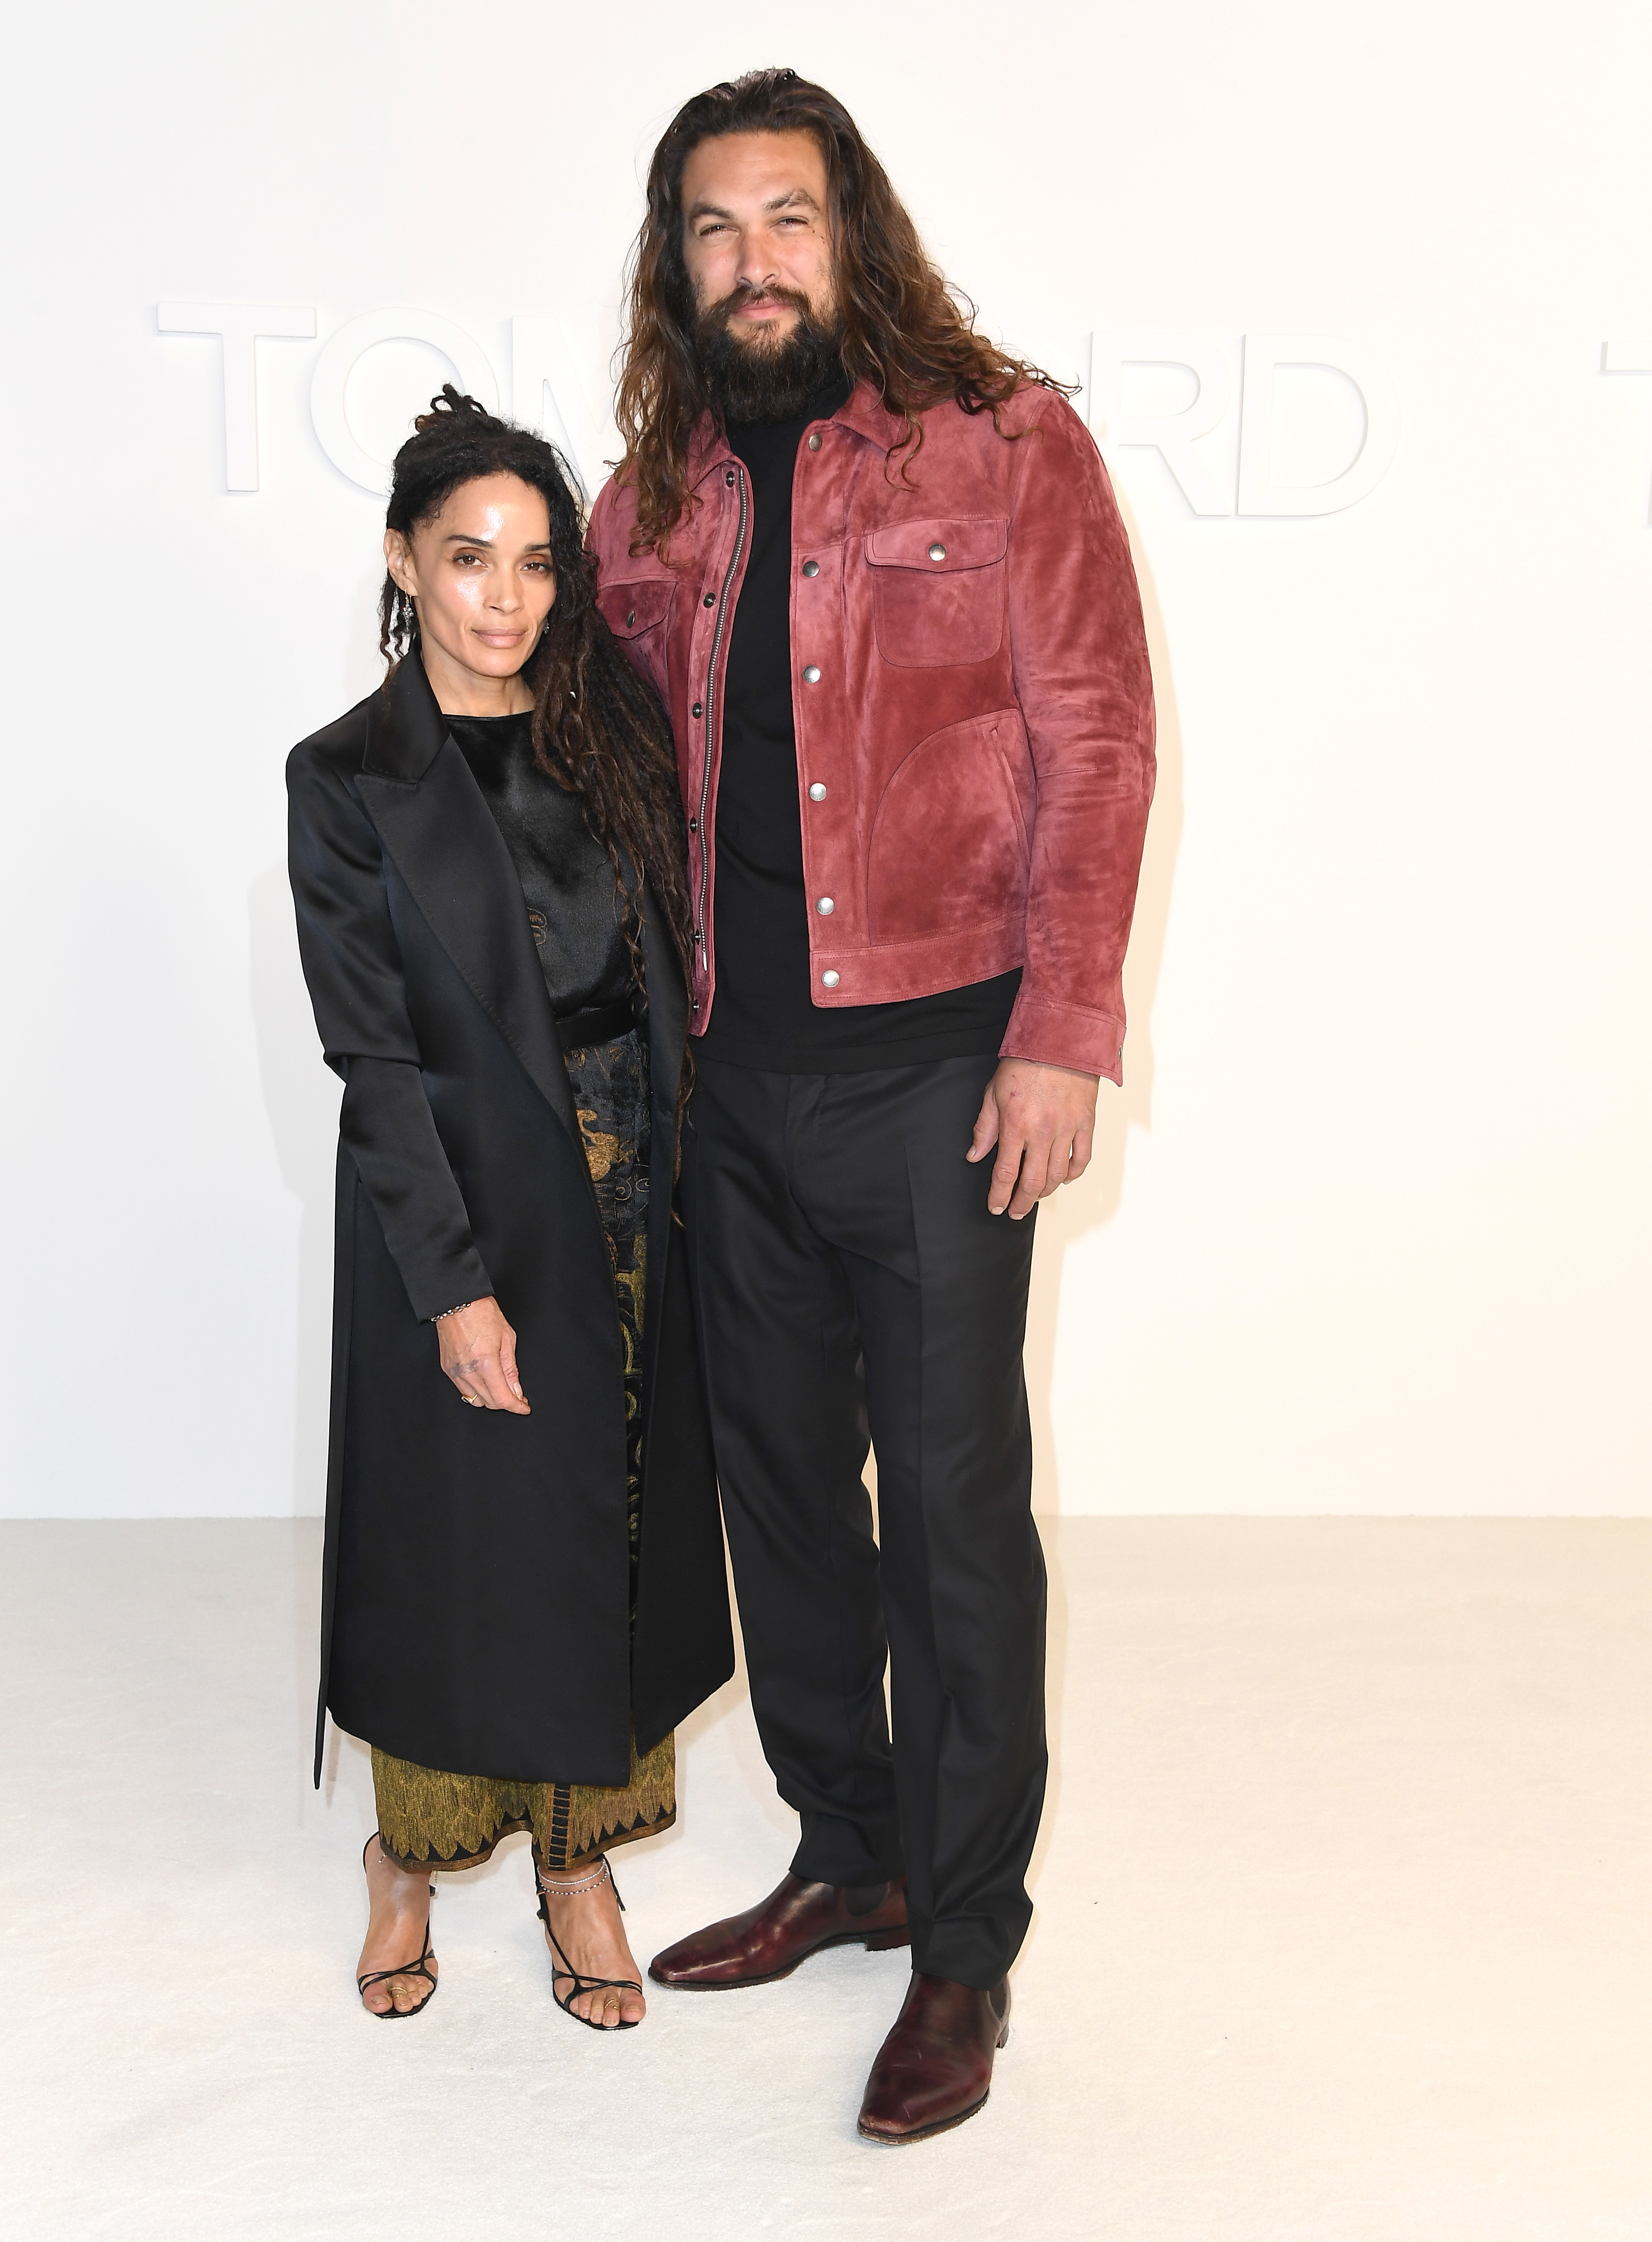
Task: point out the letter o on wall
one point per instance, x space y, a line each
338 359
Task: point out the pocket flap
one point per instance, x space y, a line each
635 607
940 547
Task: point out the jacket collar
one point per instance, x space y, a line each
869 416
865 412
405 730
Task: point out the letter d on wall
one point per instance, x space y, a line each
1258 492
339 356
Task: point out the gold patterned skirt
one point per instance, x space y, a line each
427 1816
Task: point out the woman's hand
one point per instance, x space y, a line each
479 1353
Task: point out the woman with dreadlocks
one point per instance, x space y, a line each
523 1588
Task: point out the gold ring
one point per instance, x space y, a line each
471 1400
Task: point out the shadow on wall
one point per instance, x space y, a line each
1087 1205
300 1092
301 1097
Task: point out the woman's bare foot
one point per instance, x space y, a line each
586 1926
398 1921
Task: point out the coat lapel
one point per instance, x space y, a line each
440 834
668 1047
667 1005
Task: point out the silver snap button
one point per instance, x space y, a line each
811 675
814 441
828 980
630 620
825 907
937 552
817 792
811 567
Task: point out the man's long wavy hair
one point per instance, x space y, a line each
598 729
904 329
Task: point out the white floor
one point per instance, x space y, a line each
1342 1931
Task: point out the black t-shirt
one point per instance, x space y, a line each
567 874
762 1015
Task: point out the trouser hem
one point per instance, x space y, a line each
815 1869
834 1851
963 1964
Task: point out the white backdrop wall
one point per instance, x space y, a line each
1368 1228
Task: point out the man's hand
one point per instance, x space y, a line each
479 1353
1042 1119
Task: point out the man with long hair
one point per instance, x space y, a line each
873 567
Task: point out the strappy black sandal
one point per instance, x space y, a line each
419 1968
602 1874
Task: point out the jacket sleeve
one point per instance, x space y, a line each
353 967
605 531
1080 662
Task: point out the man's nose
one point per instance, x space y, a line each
755 270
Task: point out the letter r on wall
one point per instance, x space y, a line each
1170 435
239 326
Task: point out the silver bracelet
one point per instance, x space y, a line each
453 1311
600 1875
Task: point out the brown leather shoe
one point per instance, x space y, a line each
768 1941
935 2069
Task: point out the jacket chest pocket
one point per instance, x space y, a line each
938 590
635 611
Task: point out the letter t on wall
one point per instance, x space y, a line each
240 326
1627 358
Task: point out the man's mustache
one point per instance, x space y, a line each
720 313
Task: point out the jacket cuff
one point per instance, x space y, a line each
1064 1035
430 1293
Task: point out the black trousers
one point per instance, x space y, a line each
849 1278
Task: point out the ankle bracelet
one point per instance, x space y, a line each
599 1876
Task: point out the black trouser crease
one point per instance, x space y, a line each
850 1284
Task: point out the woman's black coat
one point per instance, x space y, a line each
476 1590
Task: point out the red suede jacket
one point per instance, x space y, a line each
972 700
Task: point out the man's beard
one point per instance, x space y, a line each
765 380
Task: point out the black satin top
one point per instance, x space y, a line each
567 875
